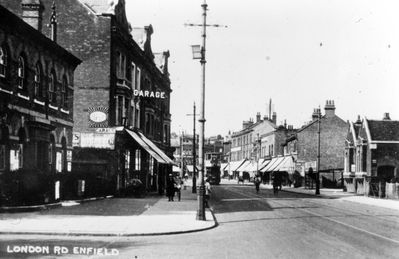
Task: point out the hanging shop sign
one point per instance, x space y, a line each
149 94
98 117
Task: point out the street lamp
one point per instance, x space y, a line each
194 187
318 154
199 53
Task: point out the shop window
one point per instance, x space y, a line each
3 62
127 160
58 162
16 157
137 160
21 72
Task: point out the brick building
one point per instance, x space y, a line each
304 145
122 94
372 156
36 108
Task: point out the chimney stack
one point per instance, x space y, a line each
32 13
274 119
316 114
358 121
386 117
258 117
329 108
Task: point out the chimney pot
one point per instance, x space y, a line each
386 117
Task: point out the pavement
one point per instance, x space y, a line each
152 215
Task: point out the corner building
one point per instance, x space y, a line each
36 110
122 97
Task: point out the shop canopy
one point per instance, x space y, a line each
271 165
235 165
150 147
284 163
243 167
224 167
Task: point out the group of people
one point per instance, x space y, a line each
277 182
173 186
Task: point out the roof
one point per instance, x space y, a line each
383 130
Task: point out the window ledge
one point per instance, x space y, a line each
38 102
23 96
64 111
6 91
53 107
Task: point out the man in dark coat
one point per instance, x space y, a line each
170 187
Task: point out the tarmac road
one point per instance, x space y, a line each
252 225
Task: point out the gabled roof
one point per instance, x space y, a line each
383 130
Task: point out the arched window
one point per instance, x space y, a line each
3 62
64 93
51 88
21 72
38 81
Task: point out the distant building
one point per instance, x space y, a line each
304 144
371 156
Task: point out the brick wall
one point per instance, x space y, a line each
333 131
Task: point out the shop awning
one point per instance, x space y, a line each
150 147
234 165
223 166
287 165
272 164
243 167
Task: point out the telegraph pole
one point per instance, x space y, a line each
194 188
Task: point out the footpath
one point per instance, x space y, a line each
152 215
344 196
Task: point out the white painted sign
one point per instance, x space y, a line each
149 94
96 140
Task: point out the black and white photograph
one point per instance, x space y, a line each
144 129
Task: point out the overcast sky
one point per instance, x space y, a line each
299 53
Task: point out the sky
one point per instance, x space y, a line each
299 53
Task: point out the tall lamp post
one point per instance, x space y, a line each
318 154
201 51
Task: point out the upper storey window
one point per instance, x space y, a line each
21 72
120 65
3 62
51 88
64 93
38 81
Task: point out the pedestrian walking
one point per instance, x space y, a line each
276 182
170 187
257 183
207 192
177 185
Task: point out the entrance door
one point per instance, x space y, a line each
385 174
